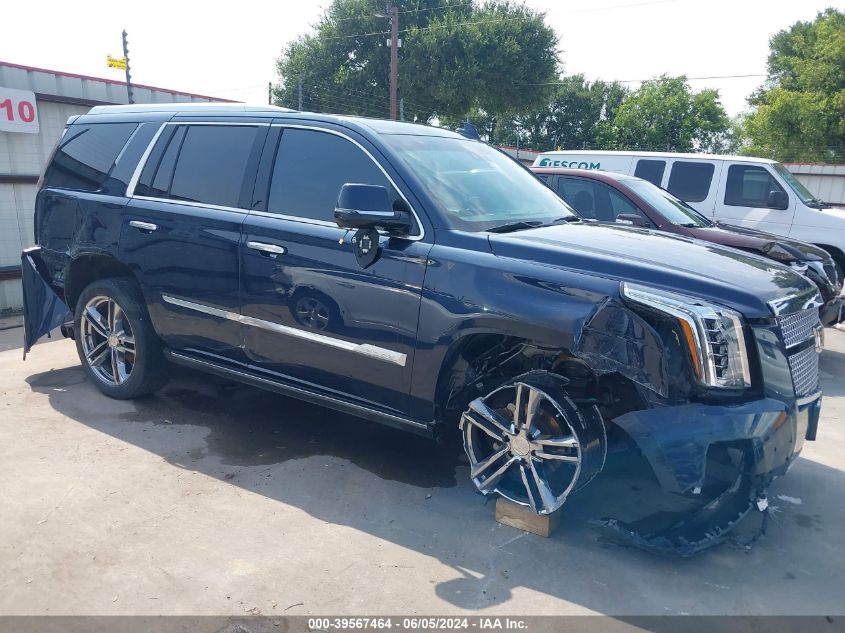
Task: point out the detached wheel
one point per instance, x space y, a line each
116 342
529 442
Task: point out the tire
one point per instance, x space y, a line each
115 340
529 442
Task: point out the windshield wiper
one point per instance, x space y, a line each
520 225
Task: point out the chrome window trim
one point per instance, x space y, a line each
343 403
190 203
130 188
365 349
315 128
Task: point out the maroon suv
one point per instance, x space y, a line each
605 196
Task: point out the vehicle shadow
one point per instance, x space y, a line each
249 438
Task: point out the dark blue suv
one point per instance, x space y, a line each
408 275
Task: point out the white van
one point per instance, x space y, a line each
740 190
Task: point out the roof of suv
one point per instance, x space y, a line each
377 126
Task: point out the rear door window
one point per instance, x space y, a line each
199 163
651 170
311 167
749 186
211 164
86 155
690 181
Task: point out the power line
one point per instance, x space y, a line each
494 20
632 81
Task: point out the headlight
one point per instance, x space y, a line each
713 334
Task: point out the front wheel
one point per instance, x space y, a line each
115 340
531 443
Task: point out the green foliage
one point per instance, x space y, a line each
665 114
456 56
799 114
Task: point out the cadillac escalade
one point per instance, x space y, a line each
411 276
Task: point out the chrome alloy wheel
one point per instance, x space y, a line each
530 446
107 340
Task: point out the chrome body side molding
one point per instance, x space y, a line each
379 353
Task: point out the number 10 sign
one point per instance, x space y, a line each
18 112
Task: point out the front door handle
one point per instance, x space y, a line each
271 249
144 226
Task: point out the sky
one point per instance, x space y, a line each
229 50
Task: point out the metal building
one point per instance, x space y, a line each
826 182
35 104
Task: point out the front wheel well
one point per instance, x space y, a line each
479 363
85 269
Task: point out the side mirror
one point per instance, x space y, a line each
368 207
777 200
631 218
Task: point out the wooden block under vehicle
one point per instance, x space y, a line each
523 518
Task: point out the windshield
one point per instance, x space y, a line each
674 210
800 190
476 186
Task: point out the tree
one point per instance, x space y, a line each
799 113
456 56
578 112
665 114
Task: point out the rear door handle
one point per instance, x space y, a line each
144 226
271 249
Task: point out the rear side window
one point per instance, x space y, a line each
310 169
651 170
690 181
199 163
749 186
86 155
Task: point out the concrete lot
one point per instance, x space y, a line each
219 499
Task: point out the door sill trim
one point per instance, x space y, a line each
357 410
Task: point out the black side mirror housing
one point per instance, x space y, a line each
368 207
631 218
778 200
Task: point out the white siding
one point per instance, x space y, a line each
826 182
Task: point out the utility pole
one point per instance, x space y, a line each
128 76
269 93
393 12
300 94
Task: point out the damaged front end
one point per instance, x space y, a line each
713 437
43 309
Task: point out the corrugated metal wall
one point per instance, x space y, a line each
23 156
826 182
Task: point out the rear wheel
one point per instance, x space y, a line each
115 340
531 443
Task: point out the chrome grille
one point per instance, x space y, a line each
798 327
804 367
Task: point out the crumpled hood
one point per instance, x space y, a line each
752 239
742 281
